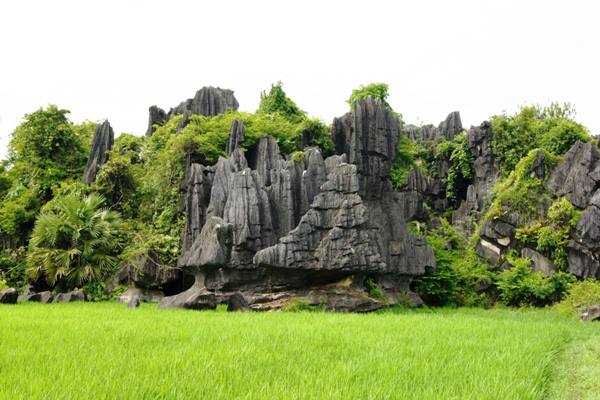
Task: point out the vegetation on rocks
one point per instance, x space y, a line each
375 90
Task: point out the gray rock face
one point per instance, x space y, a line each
369 137
578 176
208 101
134 302
9 296
584 250
75 295
103 140
157 116
485 176
540 262
447 129
261 224
148 296
236 136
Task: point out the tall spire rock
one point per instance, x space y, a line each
236 135
103 140
157 116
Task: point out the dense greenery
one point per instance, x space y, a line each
461 278
550 128
277 102
520 286
375 90
75 349
75 240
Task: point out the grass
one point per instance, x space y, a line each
106 351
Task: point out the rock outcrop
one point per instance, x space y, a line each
578 176
157 116
208 101
103 140
274 230
446 129
236 136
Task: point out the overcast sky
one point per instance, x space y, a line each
113 59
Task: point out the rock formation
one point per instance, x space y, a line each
446 129
157 116
272 229
103 140
207 101
236 136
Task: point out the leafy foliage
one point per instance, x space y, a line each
520 286
522 192
375 90
74 241
411 156
374 290
582 294
277 102
460 278
460 172
550 128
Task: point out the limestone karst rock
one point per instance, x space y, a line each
157 116
208 101
103 140
236 136
267 227
446 129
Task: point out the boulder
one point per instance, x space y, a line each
157 116
103 140
591 313
75 295
540 262
9 296
40 297
237 302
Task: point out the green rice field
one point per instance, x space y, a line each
107 351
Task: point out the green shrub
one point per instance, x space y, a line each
74 241
550 235
460 172
581 295
374 290
521 192
299 305
277 102
3 284
460 278
519 286
97 291
550 128
375 90
411 156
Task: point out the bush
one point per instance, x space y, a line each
461 167
375 90
411 156
460 279
550 128
581 295
74 241
277 102
519 286
97 291
374 290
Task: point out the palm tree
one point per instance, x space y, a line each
74 241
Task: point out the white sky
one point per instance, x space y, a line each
113 59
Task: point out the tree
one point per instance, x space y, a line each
376 90
74 241
277 102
